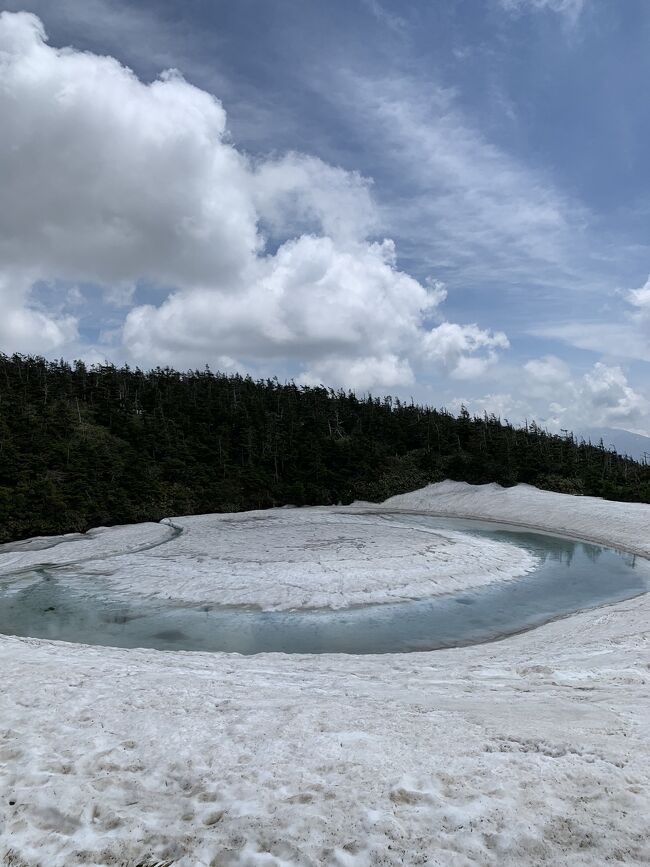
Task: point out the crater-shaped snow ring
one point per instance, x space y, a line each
308 558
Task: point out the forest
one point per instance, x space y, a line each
84 446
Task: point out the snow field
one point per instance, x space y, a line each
534 750
623 525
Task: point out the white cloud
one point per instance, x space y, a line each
463 203
298 193
120 294
393 22
548 372
112 181
615 339
74 296
105 177
547 390
572 9
601 397
28 328
502 404
640 299
346 314
131 29
607 392
312 299
456 348
623 335
385 371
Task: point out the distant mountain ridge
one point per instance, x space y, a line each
624 441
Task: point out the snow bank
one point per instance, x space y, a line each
307 558
530 751
98 544
626 525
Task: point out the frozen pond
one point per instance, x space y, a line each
571 576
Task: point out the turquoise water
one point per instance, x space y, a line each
572 576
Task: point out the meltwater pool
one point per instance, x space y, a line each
572 576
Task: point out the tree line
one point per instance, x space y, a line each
84 446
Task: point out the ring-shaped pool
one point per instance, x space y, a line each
571 576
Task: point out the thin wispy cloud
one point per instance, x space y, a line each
626 334
569 8
129 28
464 204
396 23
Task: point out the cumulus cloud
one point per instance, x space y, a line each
601 397
457 348
112 181
30 329
310 300
298 193
106 178
548 390
614 401
347 313
367 372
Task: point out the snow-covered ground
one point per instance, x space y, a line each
282 559
626 525
533 750
101 543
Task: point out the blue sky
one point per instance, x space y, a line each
499 145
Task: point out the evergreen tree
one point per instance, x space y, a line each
82 446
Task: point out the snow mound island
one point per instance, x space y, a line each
286 559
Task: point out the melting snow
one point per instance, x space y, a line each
283 559
533 750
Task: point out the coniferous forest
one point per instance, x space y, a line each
87 446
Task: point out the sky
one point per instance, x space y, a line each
447 201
